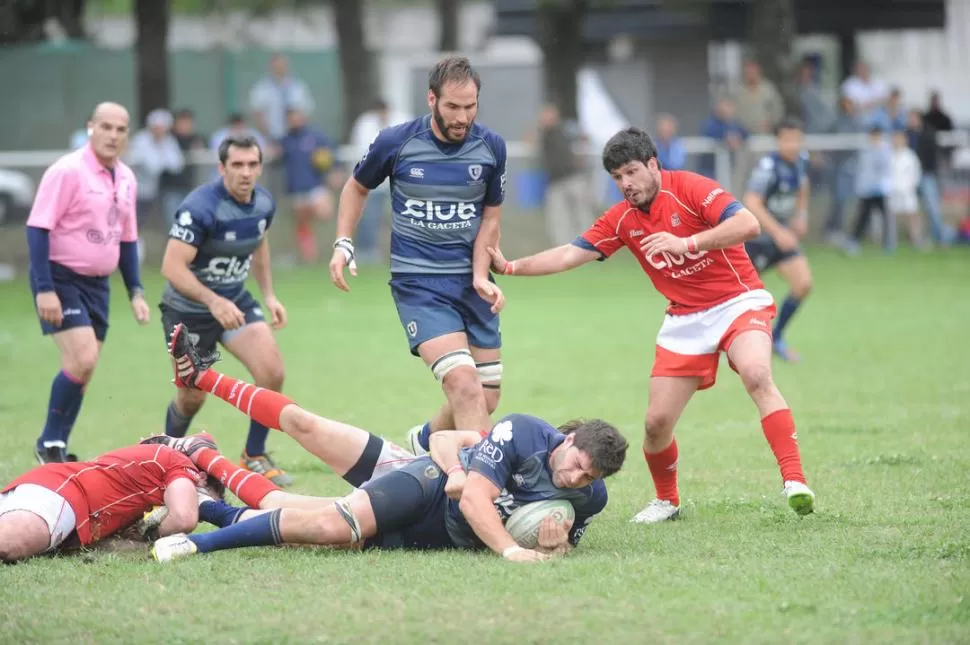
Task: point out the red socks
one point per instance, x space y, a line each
248 486
264 406
663 469
779 428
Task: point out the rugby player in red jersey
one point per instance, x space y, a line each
80 503
688 234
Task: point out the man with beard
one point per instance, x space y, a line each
447 177
688 234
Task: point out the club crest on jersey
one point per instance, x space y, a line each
475 171
675 219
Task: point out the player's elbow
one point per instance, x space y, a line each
749 224
181 520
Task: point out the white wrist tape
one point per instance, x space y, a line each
515 548
346 246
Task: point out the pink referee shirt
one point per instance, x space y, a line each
87 212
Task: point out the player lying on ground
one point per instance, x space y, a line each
79 503
522 460
687 233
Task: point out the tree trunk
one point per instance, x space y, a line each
22 22
771 32
448 11
356 67
151 56
560 35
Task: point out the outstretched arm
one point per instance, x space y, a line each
554 260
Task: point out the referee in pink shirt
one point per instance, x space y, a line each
81 228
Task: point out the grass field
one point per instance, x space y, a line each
882 402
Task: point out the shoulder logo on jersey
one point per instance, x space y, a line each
711 196
417 173
475 171
185 218
502 432
230 236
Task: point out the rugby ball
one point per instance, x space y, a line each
523 524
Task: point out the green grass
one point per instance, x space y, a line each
882 402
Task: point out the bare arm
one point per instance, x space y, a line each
554 260
262 269
444 446
755 204
477 505
175 269
351 208
183 508
488 237
737 229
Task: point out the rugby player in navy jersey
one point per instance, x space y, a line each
447 181
450 499
218 236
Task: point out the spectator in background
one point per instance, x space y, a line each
670 147
866 92
891 116
873 182
276 93
817 115
724 127
568 204
309 156
176 185
922 139
236 125
365 130
759 105
935 117
154 151
903 202
844 167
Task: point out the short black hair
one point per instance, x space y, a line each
238 141
631 144
789 123
235 117
185 113
601 441
454 69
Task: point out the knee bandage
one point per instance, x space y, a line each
346 512
490 374
458 358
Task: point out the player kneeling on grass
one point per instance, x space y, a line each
687 233
60 505
449 500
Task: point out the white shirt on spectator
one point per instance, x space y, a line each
366 128
865 94
150 157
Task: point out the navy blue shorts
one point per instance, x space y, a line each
764 253
205 330
409 507
84 300
430 306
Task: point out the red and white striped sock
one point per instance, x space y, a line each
263 406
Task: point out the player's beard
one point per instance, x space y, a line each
443 126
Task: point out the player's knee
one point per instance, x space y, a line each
80 362
301 423
756 378
183 520
658 424
271 376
